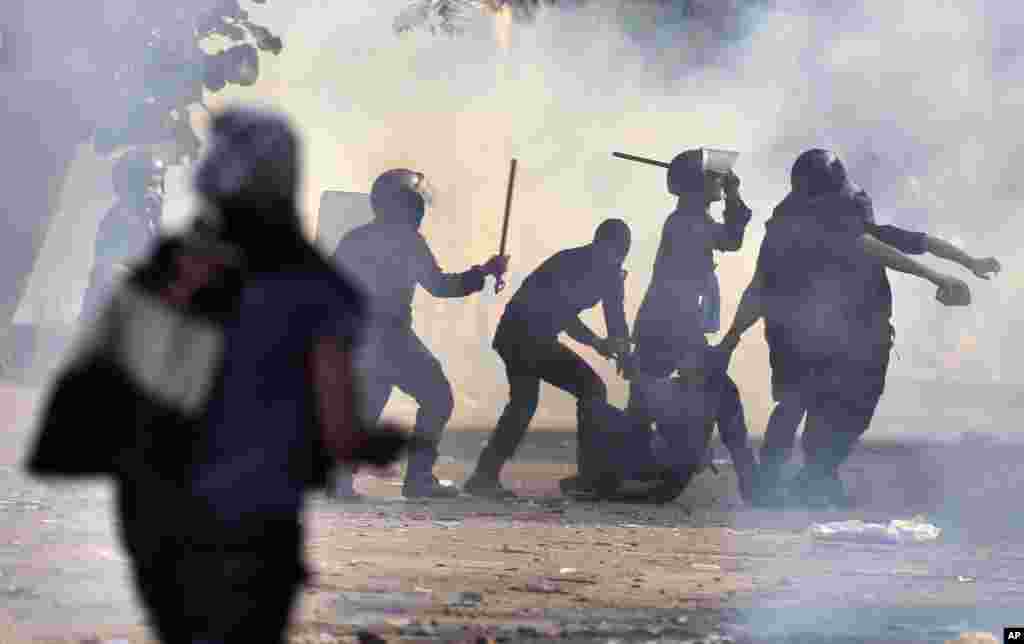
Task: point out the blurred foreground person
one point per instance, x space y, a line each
389 257
549 302
129 228
674 316
223 366
820 285
812 173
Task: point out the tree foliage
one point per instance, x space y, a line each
167 67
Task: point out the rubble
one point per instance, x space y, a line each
896 532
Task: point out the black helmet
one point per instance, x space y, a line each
816 172
686 172
400 195
136 172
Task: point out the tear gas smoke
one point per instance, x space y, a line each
916 98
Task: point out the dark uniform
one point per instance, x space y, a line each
828 307
670 327
549 302
787 370
389 257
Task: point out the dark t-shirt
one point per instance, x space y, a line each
569 282
255 456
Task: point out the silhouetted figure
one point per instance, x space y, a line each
129 228
223 367
812 169
389 257
821 287
549 302
671 324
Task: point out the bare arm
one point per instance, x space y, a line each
441 284
336 399
729 235
891 258
945 250
748 313
613 306
952 291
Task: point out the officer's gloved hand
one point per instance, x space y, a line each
497 265
382 445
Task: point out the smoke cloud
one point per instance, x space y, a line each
916 97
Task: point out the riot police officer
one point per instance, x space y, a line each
389 257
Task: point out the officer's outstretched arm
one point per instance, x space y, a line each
980 266
748 313
952 291
437 282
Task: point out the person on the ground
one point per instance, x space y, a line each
671 323
810 170
548 303
128 230
224 366
818 286
389 257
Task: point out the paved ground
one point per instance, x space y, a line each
696 570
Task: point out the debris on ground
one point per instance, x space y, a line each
373 609
977 637
541 585
465 600
898 531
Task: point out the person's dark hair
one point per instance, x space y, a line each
254 159
395 197
818 171
250 180
686 172
613 231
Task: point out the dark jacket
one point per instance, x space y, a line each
855 204
685 258
388 260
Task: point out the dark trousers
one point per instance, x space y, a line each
393 356
528 361
839 395
840 407
218 595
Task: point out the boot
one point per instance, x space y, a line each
746 473
834 490
420 482
487 486
485 481
342 486
808 488
769 493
